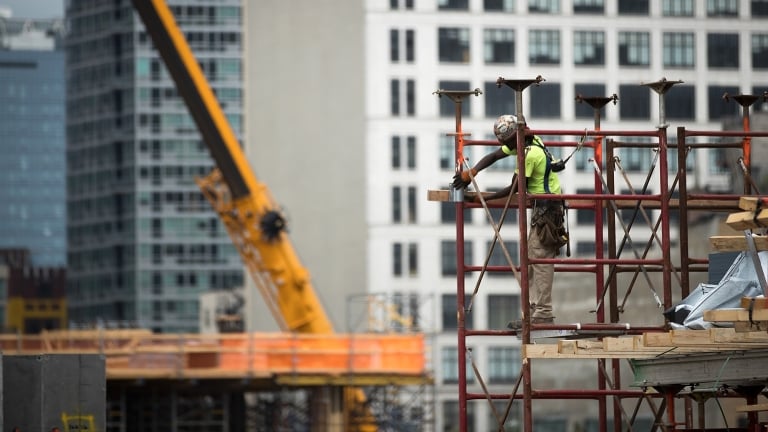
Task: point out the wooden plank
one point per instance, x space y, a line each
619 344
747 220
749 327
737 243
732 315
731 335
752 408
753 203
754 302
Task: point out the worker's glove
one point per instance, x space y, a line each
462 180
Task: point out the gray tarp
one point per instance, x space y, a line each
739 281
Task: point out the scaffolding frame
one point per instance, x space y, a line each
609 379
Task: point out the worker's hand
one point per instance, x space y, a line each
462 180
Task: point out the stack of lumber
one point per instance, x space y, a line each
751 316
651 345
755 215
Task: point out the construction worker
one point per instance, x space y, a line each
547 234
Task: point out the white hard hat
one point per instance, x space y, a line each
505 127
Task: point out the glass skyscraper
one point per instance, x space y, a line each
32 165
143 242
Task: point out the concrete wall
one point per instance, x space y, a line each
305 127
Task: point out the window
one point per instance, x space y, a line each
718 161
588 248
633 7
453 44
634 48
395 89
677 7
640 108
397 210
447 107
410 45
503 365
411 152
395 45
545 101
451 415
589 48
760 104
723 50
498 101
544 47
412 206
719 108
448 213
452 4
448 256
449 312
413 259
678 49
395 4
680 102
499 45
584 216
398 258
760 51
722 8
544 6
502 308
510 219
394 93
397 205
396 152
410 97
446 152
759 8
588 6
583 109
498 258
499 5
514 418
634 159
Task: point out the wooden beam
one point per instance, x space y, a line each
752 408
752 203
754 302
732 315
747 220
737 243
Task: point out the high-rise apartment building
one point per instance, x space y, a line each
33 210
375 170
143 241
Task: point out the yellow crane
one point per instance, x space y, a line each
244 204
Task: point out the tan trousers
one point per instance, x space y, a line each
540 277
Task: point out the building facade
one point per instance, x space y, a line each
412 48
143 241
33 210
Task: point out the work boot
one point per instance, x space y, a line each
518 324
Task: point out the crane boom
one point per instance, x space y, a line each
244 204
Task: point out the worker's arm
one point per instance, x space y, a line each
502 193
463 179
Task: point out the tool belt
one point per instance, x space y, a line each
548 222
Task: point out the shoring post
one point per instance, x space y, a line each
597 103
661 87
746 148
457 97
518 86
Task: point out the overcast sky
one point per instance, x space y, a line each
35 8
